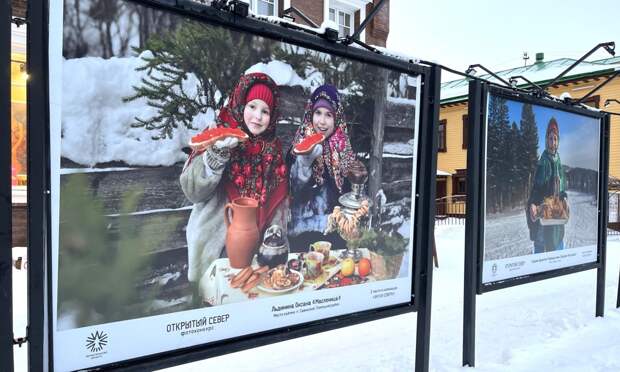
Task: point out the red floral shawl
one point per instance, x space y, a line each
256 168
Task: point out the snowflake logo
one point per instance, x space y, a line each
96 341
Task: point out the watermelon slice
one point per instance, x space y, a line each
210 136
308 143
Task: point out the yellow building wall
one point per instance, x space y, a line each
19 161
18 78
611 90
456 157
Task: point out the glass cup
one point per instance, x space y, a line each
313 262
323 248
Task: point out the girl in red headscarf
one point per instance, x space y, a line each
230 169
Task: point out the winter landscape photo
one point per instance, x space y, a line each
542 171
215 171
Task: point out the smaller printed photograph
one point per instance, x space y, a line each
542 176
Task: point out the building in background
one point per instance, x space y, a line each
348 14
19 76
452 131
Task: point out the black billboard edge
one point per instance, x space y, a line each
425 215
6 257
40 294
282 32
38 185
472 221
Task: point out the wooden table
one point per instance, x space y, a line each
20 217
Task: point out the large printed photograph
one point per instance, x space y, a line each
202 166
542 173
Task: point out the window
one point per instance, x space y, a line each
459 182
441 136
264 7
465 131
343 19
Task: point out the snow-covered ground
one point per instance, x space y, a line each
544 326
507 234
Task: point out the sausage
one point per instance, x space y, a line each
262 269
243 275
251 283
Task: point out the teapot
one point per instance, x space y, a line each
274 249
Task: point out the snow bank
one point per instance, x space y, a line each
96 123
398 148
282 73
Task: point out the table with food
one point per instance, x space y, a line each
261 264
273 270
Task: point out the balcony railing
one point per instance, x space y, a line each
451 210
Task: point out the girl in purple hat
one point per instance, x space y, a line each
319 178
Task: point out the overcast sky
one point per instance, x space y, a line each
495 33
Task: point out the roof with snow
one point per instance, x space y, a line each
609 61
540 73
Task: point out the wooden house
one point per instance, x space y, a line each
452 155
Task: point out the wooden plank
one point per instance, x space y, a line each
394 134
160 186
395 169
167 235
399 115
375 171
397 190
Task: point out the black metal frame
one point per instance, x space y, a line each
6 234
39 304
474 230
40 291
618 297
603 172
609 46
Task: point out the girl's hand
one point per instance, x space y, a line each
227 143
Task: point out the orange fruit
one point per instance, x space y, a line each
364 267
347 267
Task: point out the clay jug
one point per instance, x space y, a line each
242 235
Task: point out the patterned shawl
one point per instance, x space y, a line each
337 153
256 168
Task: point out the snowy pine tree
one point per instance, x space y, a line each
529 151
498 166
176 55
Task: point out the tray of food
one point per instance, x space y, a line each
553 211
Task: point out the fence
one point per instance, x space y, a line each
450 210
614 213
